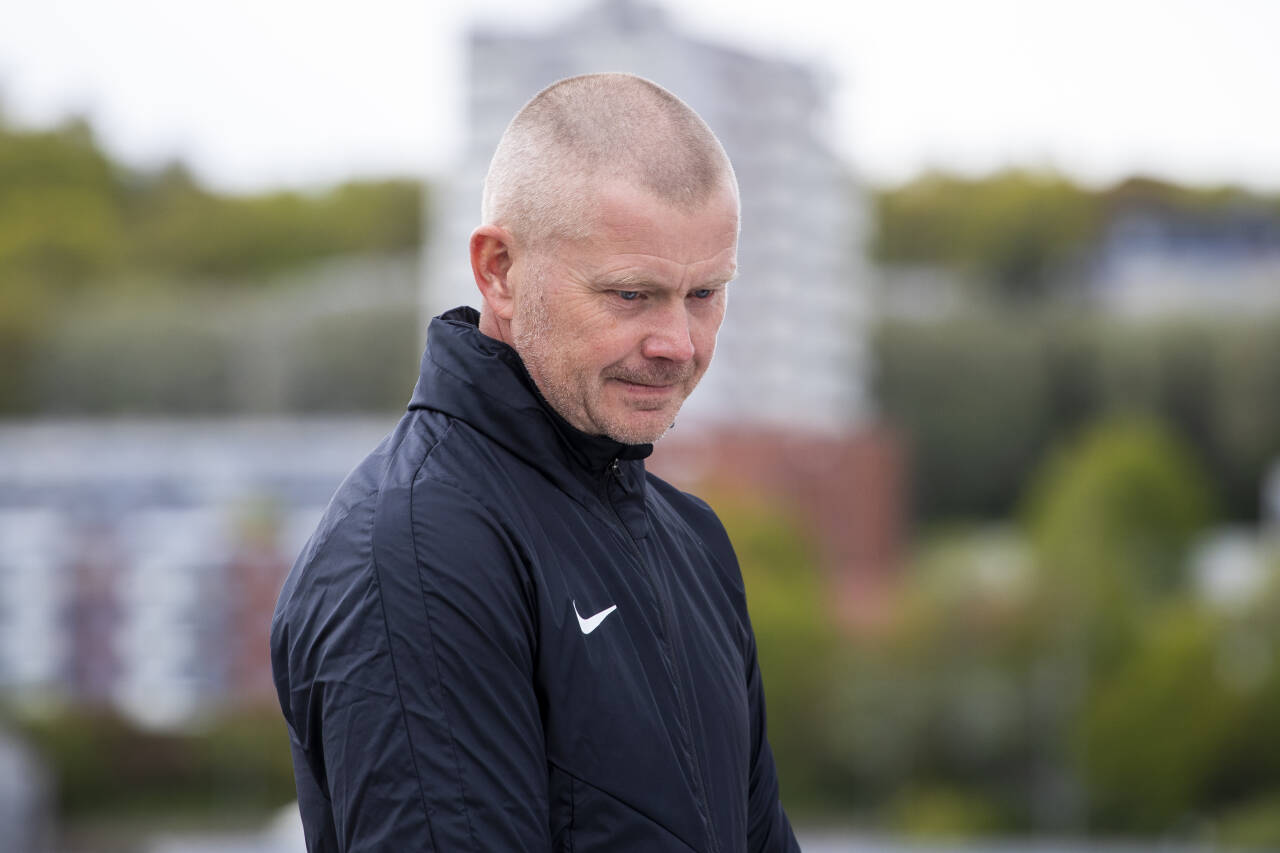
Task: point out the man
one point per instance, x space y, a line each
505 635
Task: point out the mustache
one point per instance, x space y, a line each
654 374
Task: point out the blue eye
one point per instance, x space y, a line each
628 295
704 293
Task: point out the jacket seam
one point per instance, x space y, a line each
484 502
575 779
431 638
386 627
573 814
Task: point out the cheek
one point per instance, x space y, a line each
615 340
705 329
592 354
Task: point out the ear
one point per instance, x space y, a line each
491 264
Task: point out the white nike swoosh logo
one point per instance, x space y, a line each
592 622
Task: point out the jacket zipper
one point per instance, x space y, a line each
669 652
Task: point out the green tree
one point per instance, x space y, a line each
972 397
1116 509
83 239
1152 736
937 736
983 395
1015 230
179 229
1112 516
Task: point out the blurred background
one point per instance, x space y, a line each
994 422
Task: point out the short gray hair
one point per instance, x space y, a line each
584 130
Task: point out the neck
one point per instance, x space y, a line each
492 326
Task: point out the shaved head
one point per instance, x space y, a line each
586 131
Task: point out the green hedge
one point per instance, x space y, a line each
102 765
982 396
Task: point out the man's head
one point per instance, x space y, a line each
610 232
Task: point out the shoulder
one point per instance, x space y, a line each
334 575
692 509
678 509
401 521
435 504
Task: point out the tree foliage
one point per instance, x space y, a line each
983 395
1015 229
71 216
102 764
183 231
1068 678
1017 236
1119 506
77 229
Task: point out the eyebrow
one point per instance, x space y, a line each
625 280
638 281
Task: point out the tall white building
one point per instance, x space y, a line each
792 351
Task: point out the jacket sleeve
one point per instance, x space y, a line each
768 829
417 726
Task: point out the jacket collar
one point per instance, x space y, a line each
482 381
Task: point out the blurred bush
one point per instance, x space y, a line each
181 230
1066 676
982 396
1115 511
1011 234
127 290
104 766
942 724
1023 238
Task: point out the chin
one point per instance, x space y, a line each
641 433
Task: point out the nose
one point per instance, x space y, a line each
671 335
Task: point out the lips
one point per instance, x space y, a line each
664 379
648 385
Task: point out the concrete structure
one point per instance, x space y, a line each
1156 261
792 351
26 802
140 560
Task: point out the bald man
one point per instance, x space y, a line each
505 635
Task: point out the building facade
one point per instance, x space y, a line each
140 560
1157 261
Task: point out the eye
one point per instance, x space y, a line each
703 293
628 295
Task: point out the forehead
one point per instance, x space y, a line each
619 203
629 224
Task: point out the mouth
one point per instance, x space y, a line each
646 387
656 379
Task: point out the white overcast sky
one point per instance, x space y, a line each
262 93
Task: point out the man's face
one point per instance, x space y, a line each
618 327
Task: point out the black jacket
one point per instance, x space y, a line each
440 655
